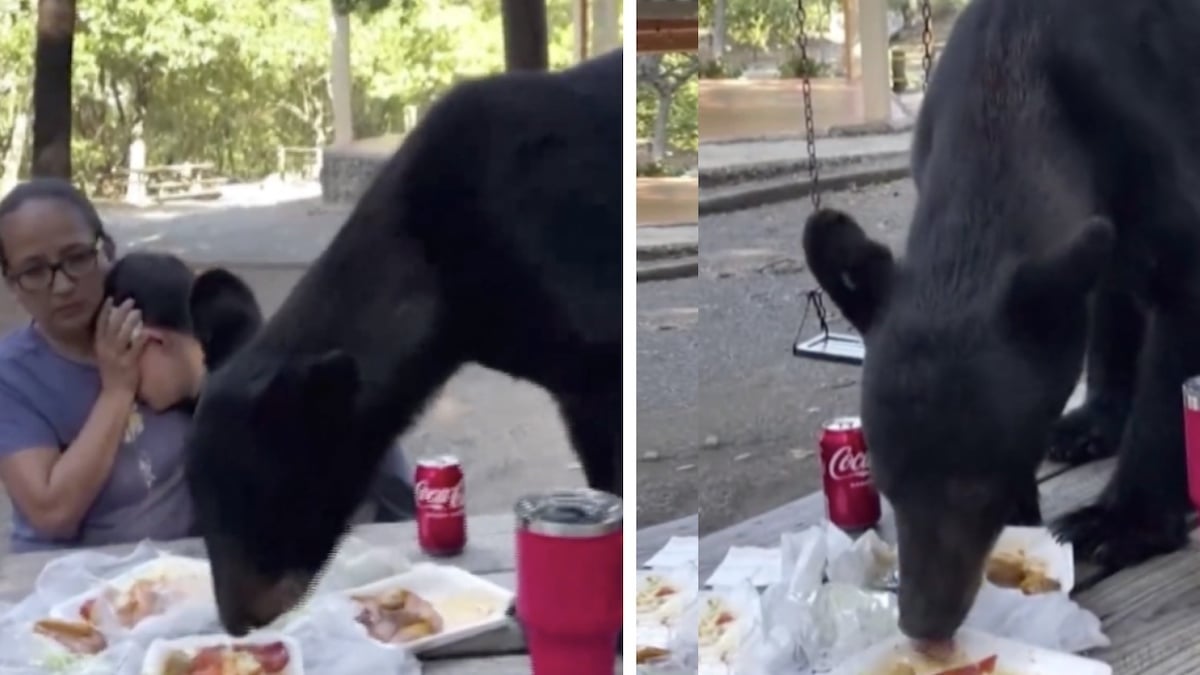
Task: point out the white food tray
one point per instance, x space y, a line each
1038 543
195 572
1012 658
156 655
454 593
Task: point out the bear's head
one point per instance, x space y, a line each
968 364
274 476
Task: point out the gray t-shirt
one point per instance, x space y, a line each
45 398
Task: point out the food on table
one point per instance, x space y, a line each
1011 569
651 654
715 622
76 636
926 666
468 608
655 592
398 616
265 659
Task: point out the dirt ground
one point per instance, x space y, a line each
755 410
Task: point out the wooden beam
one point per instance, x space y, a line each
667 41
526 46
667 35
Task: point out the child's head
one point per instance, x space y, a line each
172 366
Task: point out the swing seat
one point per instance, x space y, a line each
835 347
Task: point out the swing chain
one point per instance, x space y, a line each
927 39
810 134
814 302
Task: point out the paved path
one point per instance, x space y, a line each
724 156
667 242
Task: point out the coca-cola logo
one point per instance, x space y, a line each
449 498
847 462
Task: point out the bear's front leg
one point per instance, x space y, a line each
1142 511
1093 430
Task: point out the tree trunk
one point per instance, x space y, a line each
659 150
718 30
135 189
605 35
53 56
340 79
10 164
526 46
849 38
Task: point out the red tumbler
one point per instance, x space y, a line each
1191 434
569 572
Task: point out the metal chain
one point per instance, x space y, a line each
927 39
810 134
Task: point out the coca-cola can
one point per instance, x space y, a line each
441 512
851 501
1191 437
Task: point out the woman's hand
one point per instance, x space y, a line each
119 341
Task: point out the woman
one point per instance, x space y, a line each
83 462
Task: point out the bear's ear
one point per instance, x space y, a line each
225 314
1044 291
855 271
315 392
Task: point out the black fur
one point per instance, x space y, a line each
492 236
1056 159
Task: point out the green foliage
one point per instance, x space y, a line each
794 66
228 81
768 25
673 76
718 70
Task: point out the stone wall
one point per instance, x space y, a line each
345 174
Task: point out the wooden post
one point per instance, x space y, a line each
525 44
850 39
876 90
605 35
581 29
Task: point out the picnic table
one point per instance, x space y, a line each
187 180
1149 612
489 554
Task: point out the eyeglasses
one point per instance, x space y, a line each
74 264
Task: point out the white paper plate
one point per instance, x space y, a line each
446 587
1013 658
1037 543
655 629
196 572
156 655
725 657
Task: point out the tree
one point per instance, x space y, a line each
17 30
525 45
52 88
341 76
665 75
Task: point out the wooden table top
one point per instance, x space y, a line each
489 554
1149 612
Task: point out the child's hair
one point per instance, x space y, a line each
57 190
160 285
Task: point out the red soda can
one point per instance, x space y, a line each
441 516
1191 437
851 501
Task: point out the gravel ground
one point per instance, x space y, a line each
758 409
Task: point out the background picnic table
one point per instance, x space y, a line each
489 554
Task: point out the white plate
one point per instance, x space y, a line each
449 590
156 655
1013 658
196 573
655 628
1037 543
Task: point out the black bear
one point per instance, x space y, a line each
1055 158
492 236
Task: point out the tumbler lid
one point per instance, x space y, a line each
572 513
